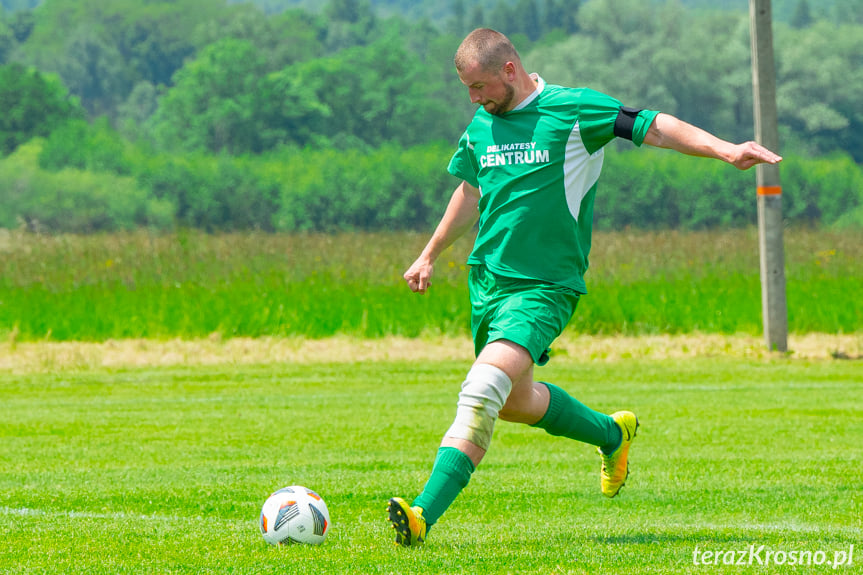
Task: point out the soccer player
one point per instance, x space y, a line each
529 161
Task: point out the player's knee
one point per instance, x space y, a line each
515 410
520 406
483 394
509 413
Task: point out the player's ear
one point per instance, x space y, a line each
509 71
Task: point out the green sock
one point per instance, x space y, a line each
568 417
450 474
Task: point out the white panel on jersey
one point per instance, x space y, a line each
580 170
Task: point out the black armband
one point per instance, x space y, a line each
624 125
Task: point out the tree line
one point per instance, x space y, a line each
230 116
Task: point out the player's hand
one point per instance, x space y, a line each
750 154
419 275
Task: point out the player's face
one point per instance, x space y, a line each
491 90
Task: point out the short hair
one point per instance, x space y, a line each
489 48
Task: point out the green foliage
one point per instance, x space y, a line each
394 187
18 5
33 105
76 144
21 24
93 68
822 190
219 102
7 42
802 16
657 189
783 10
665 58
230 99
292 36
230 117
697 66
351 23
850 220
72 200
102 50
211 193
351 73
133 115
388 188
819 80
376 94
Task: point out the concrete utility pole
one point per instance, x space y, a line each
774 308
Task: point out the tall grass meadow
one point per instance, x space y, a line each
190 284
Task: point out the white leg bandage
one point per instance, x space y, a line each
483 393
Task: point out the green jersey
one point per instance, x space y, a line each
536 167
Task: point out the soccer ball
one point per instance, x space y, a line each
294 515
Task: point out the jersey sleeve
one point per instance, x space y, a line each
463 163
598 120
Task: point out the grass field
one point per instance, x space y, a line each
164 470
155 389
193 285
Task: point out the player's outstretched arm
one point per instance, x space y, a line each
673 133
460 215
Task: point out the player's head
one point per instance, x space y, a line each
488 64
486 47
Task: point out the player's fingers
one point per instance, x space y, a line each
773 158
753 153
412 281
424 283
762 154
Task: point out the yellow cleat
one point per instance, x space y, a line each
615 467
409 523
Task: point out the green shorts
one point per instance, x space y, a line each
530 313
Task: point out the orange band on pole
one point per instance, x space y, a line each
769 190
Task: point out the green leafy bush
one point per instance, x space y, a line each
77 144
33 104
657 189
72 200
388 188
